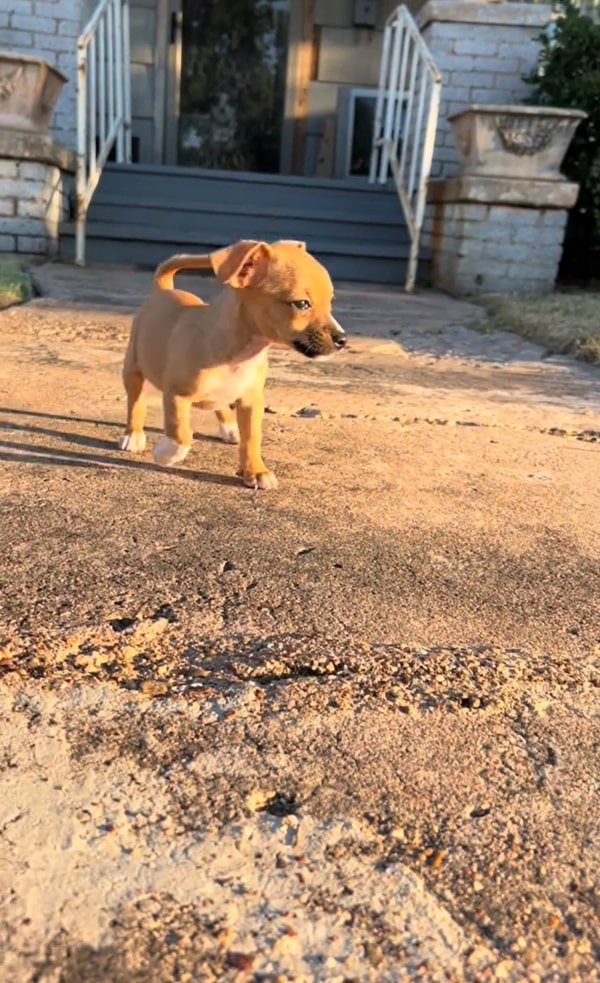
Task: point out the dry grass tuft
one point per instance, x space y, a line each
566 322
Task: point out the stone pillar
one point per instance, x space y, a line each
499 225
482 50
36 175
35 171
493 236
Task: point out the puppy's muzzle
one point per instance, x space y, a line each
321 341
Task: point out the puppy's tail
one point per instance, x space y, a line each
163 276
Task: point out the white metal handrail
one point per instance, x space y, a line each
406 115
103 103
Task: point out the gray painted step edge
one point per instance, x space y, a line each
231 227
353 217
145 255
339 247
146 186
352 185
241 197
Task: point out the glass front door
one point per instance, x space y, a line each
230 65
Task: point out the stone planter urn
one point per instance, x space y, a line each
29 88
526 142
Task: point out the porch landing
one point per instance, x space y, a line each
141 213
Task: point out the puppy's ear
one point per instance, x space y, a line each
244 264
294 242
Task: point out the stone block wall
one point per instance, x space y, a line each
481 248
482 50
34 200
48 29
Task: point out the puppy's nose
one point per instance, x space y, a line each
339 340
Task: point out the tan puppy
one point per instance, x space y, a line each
216 356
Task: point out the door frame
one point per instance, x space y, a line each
171 18
168 76
300 70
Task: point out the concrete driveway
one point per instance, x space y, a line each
348 730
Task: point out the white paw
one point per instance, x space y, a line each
135 443
168 452
229 433
265 481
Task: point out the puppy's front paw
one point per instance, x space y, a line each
229 433
168 452
263 481
134 442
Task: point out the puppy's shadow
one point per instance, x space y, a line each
71 438
38 415
34 454
75 438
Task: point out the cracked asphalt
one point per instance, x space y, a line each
347 730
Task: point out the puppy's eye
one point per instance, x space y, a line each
301 305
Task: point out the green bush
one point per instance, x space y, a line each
568 76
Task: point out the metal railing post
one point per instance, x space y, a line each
126 72
119 79
103 103
405 126
81 172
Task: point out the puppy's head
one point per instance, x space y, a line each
286 292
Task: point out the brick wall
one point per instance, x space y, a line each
33 202
480 248
48 28
482 51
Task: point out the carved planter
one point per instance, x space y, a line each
29 88
514 141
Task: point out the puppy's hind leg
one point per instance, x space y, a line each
228 427
174 447
134 438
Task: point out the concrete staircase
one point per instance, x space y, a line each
140 214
